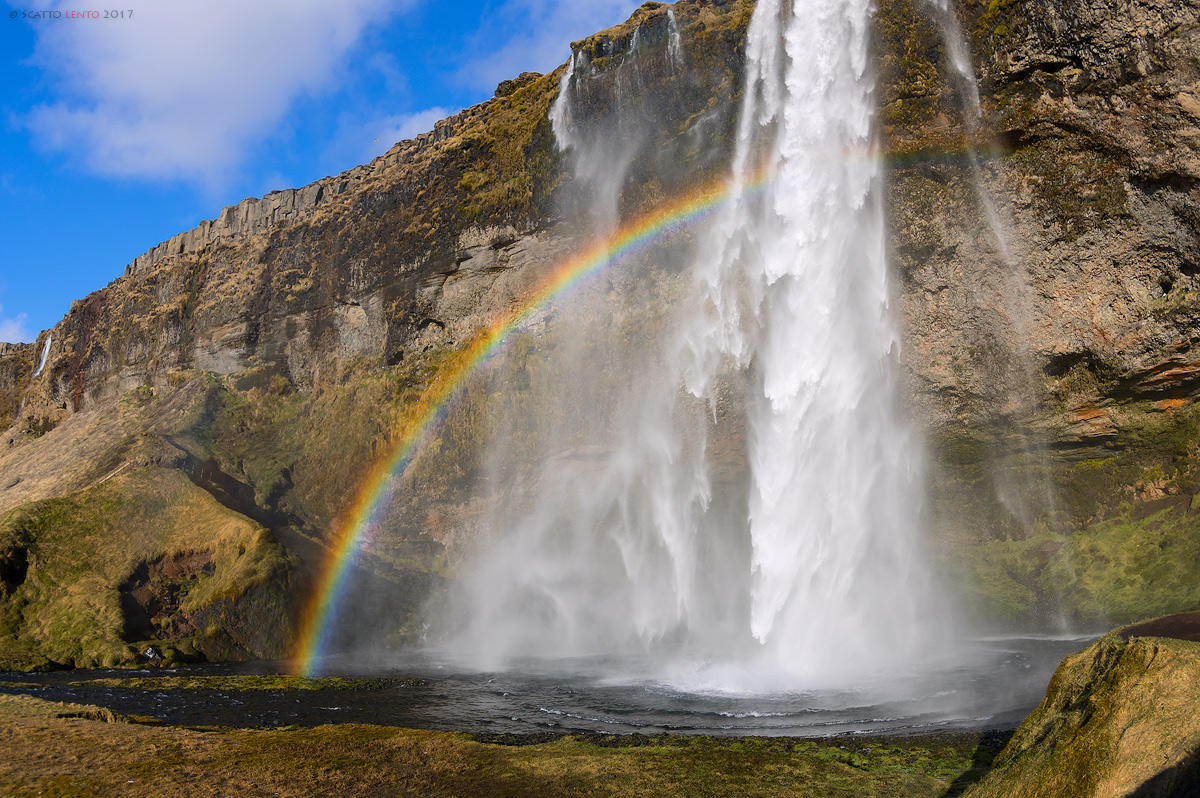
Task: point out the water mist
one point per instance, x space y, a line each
1024 490
808 571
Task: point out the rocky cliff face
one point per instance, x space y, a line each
1087 167
16 367
254 215
1046 252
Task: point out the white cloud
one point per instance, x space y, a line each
362 136
13 330
276 181
389 130
548 27
183 87
393 77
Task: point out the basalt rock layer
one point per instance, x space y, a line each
1045 246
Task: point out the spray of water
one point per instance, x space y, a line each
835 472
1018 303
808 571
1025 491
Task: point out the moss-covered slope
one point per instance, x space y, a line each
83 574
1119 719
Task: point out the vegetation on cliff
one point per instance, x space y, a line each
71 567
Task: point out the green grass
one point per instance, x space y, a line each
51 755
80 548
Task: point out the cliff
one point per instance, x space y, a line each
1046 253
16 367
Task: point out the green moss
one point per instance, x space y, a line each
1176 306
1036 537
350 759
1114 570
82 547
141 395
962 448
909 50
1126 569
997 21
1117 716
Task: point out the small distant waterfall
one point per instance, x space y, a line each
1027 492
41 366
812 575
599 155
45 354
960 58
674 42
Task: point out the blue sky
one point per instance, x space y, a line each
115 134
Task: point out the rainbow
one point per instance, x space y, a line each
374 494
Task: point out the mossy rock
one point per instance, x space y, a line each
1119 719
83 551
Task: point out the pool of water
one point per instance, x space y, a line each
993 686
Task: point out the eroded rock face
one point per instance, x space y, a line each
16 366
1070 244
254 215
1059 239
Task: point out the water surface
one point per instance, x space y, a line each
994 687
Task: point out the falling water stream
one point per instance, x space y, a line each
45 355
41 366
814 576
1025 492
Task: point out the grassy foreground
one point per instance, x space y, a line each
52 749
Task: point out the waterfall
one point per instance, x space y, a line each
960 58
836 481
674 42
40 367
808 572
1026 492
560 111
45 354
